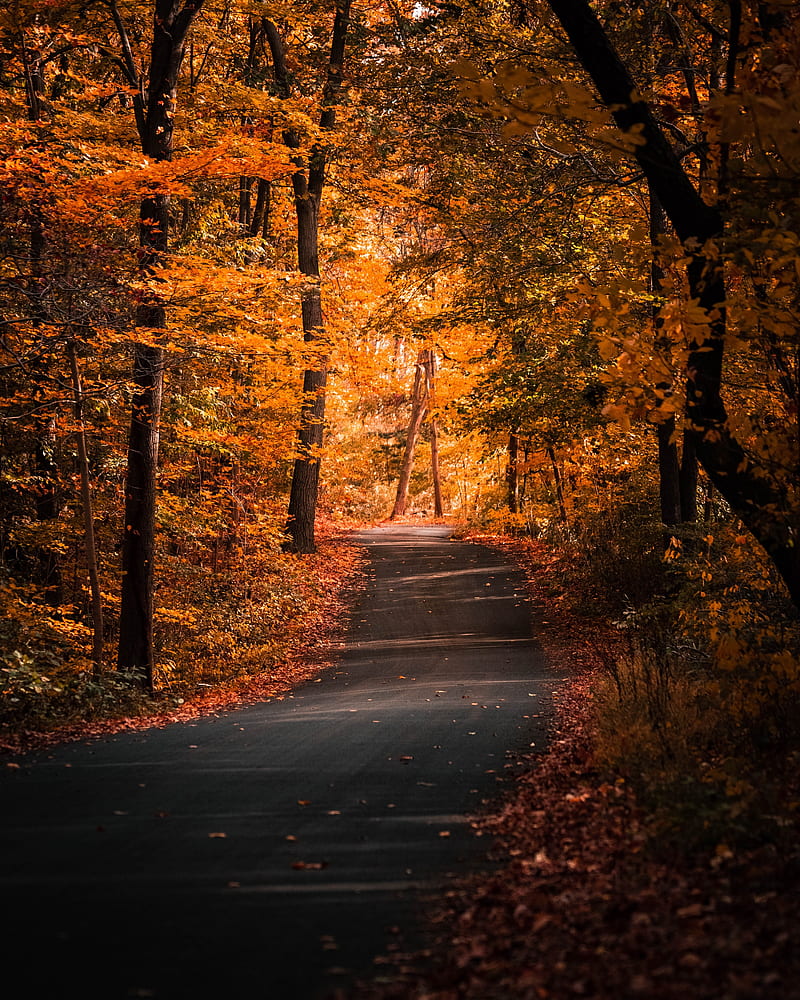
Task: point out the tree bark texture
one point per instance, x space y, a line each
753 494
155 120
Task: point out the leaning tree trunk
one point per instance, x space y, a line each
436 472
171 23
747 484
419 405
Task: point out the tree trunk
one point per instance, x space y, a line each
418 410
688 479
669 474
430 389
562 507
436 472
244 215
759 500
260 222
88 515
171 23
512 473
308 182
668 470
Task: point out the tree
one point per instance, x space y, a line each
764 504
155 114
419 409
308 181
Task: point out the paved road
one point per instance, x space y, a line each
116 878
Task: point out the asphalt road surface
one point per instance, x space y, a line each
272 852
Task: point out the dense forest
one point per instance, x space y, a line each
272 269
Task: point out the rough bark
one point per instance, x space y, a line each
155 119
751 491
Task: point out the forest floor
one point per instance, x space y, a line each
585 902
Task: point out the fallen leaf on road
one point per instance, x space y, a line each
309 865
444 833
304 802
217 836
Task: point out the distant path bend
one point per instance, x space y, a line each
260 854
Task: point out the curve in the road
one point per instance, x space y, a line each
265 853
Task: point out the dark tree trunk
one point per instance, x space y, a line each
669 474
668 469
245 212
750 489
688 479
260 222
512 473
171 23
308 182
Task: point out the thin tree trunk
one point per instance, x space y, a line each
260 221
512 473
430 388
668 467
688 479
245 215
436 472
668 474
88 514
562 507
418 409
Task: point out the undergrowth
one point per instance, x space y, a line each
699 708
212 630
